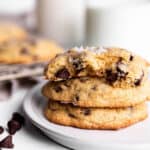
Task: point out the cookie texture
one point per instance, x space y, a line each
92 92
118 67
9 31
28 50
95 118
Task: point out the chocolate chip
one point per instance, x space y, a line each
71 115
131 57
138 81
87 112
24 51
62 73
110 76
77 64
119 73
77 98
58 89
18 117
1 129
6 142
13 126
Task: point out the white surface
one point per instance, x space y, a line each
16 6
29 137
122 23
135 137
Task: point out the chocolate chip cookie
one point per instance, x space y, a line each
95 118
28 50
118 67
9 31
92 92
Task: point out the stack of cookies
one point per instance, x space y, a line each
97 88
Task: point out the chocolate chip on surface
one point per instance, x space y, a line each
1 129
13 126
62 73
18 117
6 142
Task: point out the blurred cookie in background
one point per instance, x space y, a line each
9 31
28 50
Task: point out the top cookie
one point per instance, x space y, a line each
9 31
118 67
28 50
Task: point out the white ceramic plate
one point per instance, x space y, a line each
135 137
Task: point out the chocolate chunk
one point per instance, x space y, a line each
110 76
6 142
138 81
18 117
71 115
58 89
62 73
1 129
13 126
131 57
87 112
24 51
119 73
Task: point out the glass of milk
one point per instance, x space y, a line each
62 21
122 23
